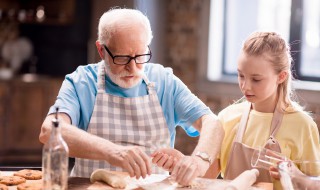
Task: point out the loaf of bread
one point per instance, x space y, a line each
113 179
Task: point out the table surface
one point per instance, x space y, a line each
154 182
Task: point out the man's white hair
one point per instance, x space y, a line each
111 19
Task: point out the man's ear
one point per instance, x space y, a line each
282 76
100 49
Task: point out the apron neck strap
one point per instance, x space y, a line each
101 76
275 123
276 120
243 122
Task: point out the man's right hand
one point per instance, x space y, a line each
132 159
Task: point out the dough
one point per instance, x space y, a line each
111 178
195 184
3 187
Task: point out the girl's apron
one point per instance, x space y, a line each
134 121
240 155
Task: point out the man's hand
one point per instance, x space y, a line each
166 158
132 159
188 168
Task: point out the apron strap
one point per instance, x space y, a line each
150 85
272 142
243 123
101 77
276 120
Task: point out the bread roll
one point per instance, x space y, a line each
111 178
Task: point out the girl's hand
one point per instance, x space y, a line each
274 173
166 158
294 171
188 168
131 158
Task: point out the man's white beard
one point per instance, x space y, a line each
124 84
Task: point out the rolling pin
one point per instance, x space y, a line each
244 181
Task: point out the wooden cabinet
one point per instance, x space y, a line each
4 90
59 42
24 105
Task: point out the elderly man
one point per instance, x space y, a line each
117 112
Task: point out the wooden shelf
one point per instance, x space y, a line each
57 12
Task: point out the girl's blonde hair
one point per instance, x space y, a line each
274 48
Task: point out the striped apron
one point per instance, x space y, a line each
134 121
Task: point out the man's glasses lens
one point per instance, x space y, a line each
122 60
125 59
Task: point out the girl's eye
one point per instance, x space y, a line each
256 80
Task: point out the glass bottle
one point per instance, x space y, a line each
55 158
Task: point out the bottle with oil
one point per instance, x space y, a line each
55 158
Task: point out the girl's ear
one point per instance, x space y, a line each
282 76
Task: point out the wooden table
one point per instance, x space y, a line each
154 182
84 183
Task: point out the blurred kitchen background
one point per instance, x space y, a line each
43 40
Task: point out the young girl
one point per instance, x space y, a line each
267 116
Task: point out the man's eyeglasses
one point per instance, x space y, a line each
125 59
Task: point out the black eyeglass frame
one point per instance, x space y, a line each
128 56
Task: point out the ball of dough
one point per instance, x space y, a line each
113 179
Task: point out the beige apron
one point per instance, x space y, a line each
135 121
240 155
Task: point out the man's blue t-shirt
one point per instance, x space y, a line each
180 107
